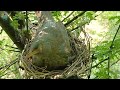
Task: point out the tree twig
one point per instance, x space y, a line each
11 46
68 23
9 50
97 64
101 63
115 62
68 16
10 64
106 58
84 23
77 27
114 37
111 46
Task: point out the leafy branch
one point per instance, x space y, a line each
84 23
108 58
111 46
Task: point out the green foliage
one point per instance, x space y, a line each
56 15
16 71
102 48
89 16
15 24
102 73
32 17
18 16
103 51
7 54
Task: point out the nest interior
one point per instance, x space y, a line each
56 54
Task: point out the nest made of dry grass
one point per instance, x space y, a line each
78 66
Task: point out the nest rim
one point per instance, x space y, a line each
68 71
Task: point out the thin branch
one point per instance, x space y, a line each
14 50
68 16
84 23
8 72
101 63
114 37
9 50
10 64
111 50
68 23
77 27
97 64
115 62
106 58
11 46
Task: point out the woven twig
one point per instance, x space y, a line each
79 65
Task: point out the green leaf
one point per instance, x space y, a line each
19 16
15 24
114 17
1 42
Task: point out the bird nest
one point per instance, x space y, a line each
52 47
80 61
